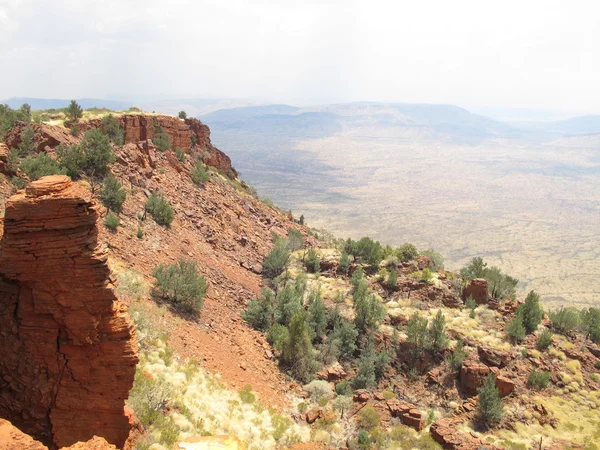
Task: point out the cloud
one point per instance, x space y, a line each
525 54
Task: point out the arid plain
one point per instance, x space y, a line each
532 209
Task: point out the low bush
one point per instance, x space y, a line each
112 222
515 330
544 340
368 417
490 408
180 284
41 165
276 261
159 209
538 379
312 261
199 174
564 320
112 195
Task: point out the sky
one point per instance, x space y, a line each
540 54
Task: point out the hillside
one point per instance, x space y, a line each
350 344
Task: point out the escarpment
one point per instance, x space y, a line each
68 346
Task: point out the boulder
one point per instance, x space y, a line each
334 372
398 408
313 414
505 385
472 375
478 290
68 346
494 358
414 418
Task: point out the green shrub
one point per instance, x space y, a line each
199 174
74 111
161 140
532 312
366 250
261 312
406 252
317 318
426 275
276 261
149 397
544 340
246 395
490 408
538 380
295 240
112 195
392 281
514 329
590 323
27 146
91 156
417 335
345 334
437 332
500 285
436 261
458 357
366 377
471 303
368 418
343 388
363 439
180 284
344 263
318 389
8 116
40 165
368 309
140 233
13 160
312 261
112 222
112 128
19 183
565 320
159 209
277 335
182 115
297 353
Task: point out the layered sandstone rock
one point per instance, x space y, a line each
46 137
478 289
68 347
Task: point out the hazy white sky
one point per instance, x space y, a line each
526 53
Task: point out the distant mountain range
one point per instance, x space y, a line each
397 120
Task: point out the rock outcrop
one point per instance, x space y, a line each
189 134
3 158
46 137
68 347
478 290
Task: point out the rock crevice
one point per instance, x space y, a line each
68 345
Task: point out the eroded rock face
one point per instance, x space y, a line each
478 289
46 137
68 346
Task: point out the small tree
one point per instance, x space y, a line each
345 333
368 310
297 353
74 111
182 115
91 156
112 128
490 404
317 318
40 165
112 195
344 263
312 261
407 252
544 340
301 220
180 284
532 312
515 329
276 261
365 378
437 334
159 209
392 281
261 312
27 145
458 356
295 240
161 139
565 320
417 334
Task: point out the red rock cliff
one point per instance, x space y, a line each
68 347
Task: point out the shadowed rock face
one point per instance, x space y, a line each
68 346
